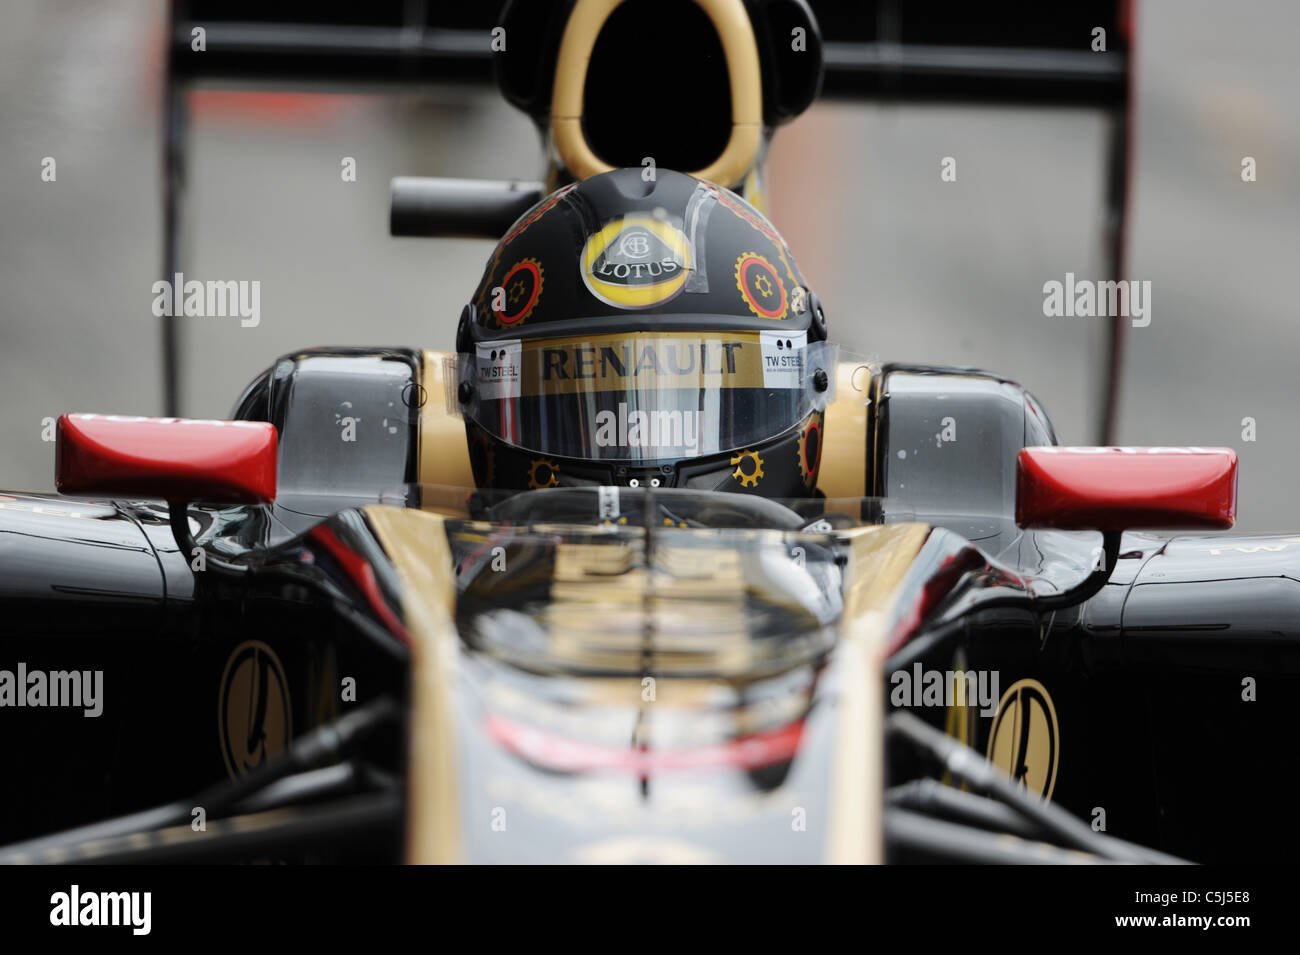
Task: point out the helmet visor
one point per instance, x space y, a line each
645 396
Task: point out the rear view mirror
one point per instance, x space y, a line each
1117 489
171 459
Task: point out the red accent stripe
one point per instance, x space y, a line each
362 574
940 584
559 754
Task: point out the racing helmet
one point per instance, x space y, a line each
644 328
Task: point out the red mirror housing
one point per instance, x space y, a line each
1116 489
171 459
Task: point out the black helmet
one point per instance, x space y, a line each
644 329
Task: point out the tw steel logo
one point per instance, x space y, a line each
1025 740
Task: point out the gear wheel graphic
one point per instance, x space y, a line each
807 461
518 290
551 473
765 283
750 479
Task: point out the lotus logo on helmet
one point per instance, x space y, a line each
636 245
636 262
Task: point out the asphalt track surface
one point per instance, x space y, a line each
910 268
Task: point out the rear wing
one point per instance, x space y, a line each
331 42
1015 51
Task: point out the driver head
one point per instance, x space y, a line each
644 333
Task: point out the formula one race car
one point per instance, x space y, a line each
647 569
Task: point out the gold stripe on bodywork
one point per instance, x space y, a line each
444 450
695 600
416 542
843 471
879 557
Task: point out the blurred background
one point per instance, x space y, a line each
910 268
